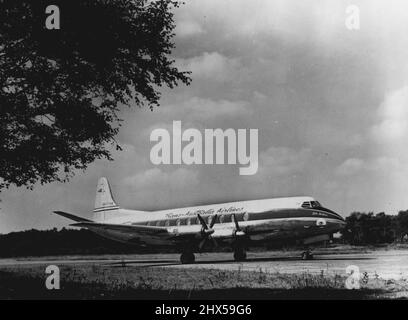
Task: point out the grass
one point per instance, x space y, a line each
96 281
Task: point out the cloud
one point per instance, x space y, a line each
385 165
240 18
393 113
349 167
282 172
372 184
377 166
188 28
326 134
281 161
205 108
157 178
210 66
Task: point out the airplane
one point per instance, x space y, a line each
239 225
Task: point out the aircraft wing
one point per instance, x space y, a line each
136 229
131 231
72 216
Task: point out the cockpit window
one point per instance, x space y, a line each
315 204
311 204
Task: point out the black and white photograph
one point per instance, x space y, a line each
197 150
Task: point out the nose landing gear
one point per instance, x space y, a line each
307 255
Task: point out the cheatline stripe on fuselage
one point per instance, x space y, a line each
282 220
267 215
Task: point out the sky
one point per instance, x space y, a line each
330 105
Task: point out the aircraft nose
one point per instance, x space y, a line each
342 222
339 216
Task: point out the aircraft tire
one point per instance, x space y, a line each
240 255
306 255
187 257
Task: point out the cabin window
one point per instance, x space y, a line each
246 216
158 223
167 223
221 218
189 221
178 222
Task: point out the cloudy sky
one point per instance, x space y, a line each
331 106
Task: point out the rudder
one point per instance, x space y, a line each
104 200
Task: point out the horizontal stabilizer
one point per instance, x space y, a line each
72 216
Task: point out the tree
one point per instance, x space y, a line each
61 90
367 228
402 219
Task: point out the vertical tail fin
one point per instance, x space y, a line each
104 200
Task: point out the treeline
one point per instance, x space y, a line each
361 229
370 228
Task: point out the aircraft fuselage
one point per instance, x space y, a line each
237 224
260 220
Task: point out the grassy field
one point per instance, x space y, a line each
95 281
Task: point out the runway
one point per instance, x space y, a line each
385 264
382 264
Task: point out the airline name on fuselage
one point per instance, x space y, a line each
206 212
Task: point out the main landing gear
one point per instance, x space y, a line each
307 255
187 257
239 254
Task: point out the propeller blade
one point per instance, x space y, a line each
214 219
206 231
234 219
201 244
202 222
214 242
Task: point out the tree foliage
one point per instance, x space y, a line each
367 228
61 90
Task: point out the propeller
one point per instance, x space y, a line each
207 231
238 231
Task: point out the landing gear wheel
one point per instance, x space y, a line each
307 255
240 255
187 257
